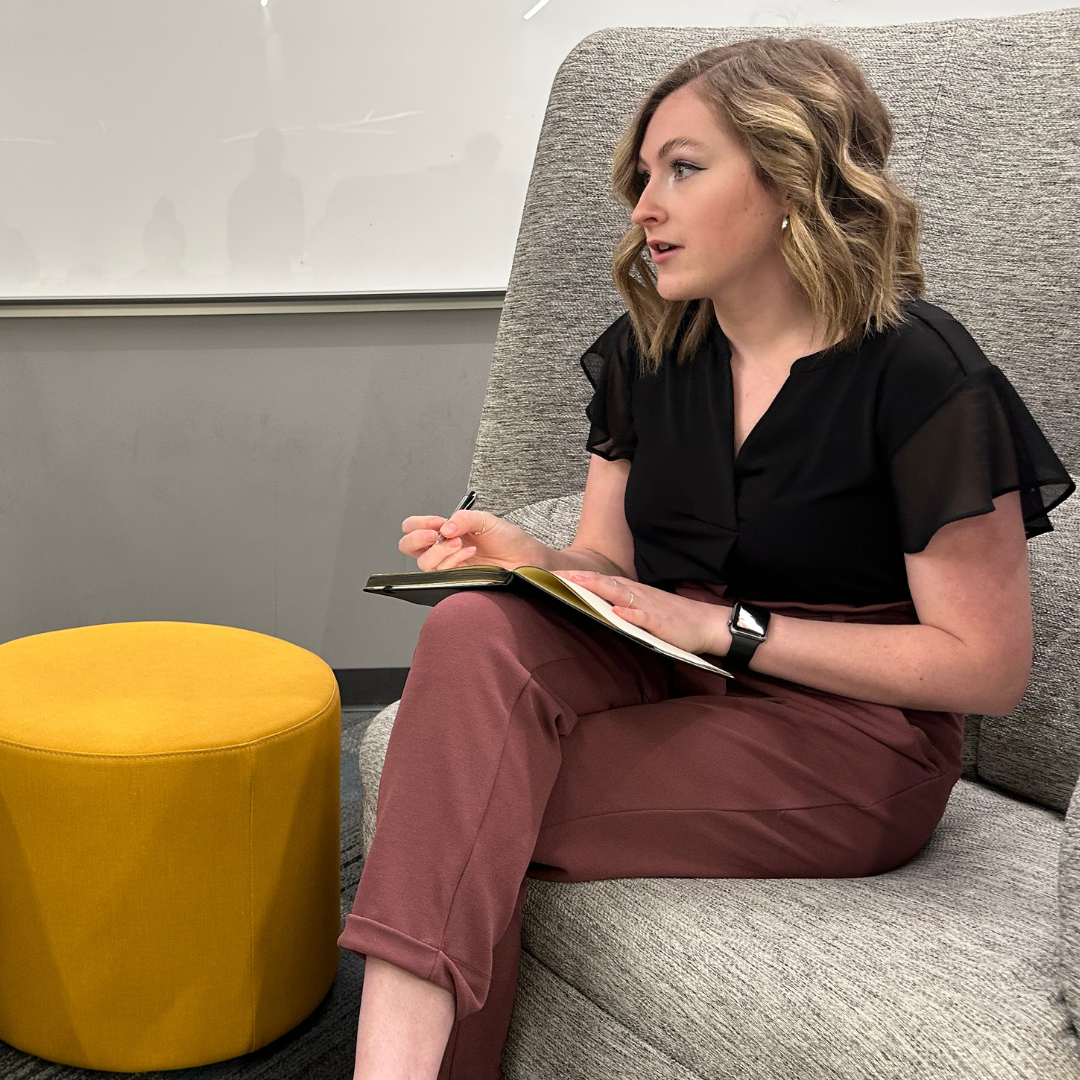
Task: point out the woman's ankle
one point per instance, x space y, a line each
404 1024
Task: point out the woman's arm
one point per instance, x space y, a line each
603 542
970 652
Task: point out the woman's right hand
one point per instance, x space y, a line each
470 538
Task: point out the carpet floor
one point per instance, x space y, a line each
322 1047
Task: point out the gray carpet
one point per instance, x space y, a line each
322 1047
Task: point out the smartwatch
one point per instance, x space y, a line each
749 625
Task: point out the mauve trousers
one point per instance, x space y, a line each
531 743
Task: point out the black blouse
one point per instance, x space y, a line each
862 456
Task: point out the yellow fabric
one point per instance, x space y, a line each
169 849
155 687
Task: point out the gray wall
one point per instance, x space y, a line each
248 470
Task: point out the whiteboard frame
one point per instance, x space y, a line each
52 307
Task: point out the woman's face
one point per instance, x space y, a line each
703 196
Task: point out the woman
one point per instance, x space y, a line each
799 467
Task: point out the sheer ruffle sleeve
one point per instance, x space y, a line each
956 435
611 365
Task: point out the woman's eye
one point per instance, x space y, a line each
677 168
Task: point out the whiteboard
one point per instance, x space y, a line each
224 147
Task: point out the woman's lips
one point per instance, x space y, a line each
662 256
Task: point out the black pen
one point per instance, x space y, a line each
466 503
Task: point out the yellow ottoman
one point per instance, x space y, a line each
169 851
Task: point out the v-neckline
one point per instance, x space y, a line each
725 348
736 451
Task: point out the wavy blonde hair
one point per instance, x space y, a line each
817 133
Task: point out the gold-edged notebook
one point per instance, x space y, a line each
430 587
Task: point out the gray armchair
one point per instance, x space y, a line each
965 962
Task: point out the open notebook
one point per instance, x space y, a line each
432 586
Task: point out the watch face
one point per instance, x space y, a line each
749 624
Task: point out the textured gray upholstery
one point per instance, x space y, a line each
372 753
552 521
1069 908
560 1015
944 968
966 961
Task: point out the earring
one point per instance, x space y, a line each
784 223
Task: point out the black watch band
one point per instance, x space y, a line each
749 625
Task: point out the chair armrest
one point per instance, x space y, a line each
551 521
372 752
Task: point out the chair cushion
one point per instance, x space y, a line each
560 1016
943 968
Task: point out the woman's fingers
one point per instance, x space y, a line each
417 542
422 530
448 554
617 591
441 543
421 521
462 556
432 558
467 521
600 584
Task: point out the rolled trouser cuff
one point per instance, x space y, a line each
370 938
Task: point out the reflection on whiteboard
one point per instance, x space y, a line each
264 222
291 146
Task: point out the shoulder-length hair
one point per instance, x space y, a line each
817 133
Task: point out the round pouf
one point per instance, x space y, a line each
169 850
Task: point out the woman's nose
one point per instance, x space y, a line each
647 209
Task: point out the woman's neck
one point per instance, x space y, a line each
768 322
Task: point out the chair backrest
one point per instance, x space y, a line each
987 138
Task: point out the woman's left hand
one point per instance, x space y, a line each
690 624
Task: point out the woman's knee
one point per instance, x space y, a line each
478 615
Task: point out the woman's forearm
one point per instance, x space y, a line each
911 666
982 668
